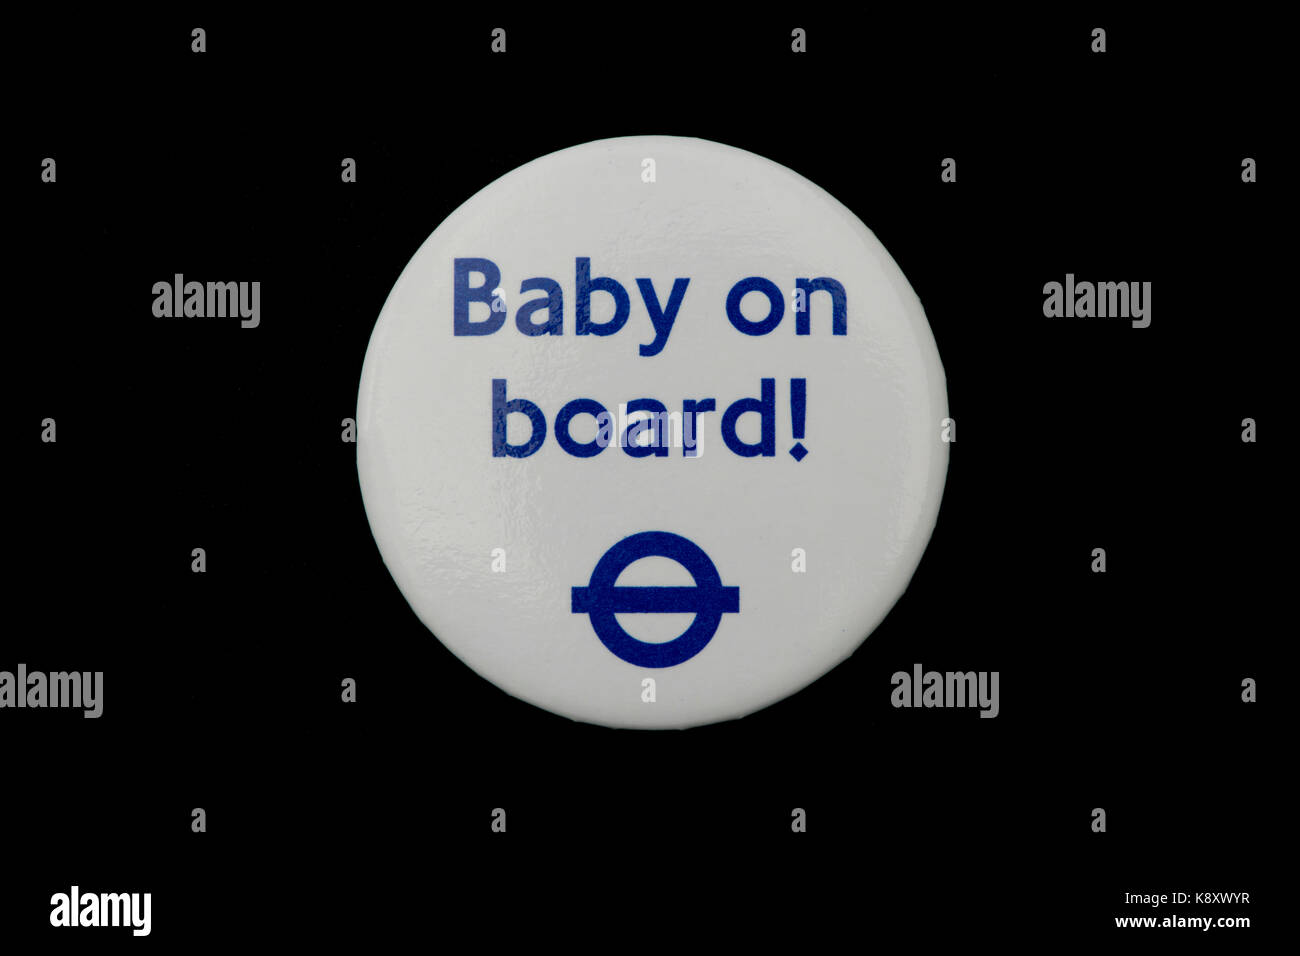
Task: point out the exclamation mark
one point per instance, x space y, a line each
798 402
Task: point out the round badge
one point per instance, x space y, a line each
650 432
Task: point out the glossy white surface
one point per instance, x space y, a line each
861 504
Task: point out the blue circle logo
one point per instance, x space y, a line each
708 600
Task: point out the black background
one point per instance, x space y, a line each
370 821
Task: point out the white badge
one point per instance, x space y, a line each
651 432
